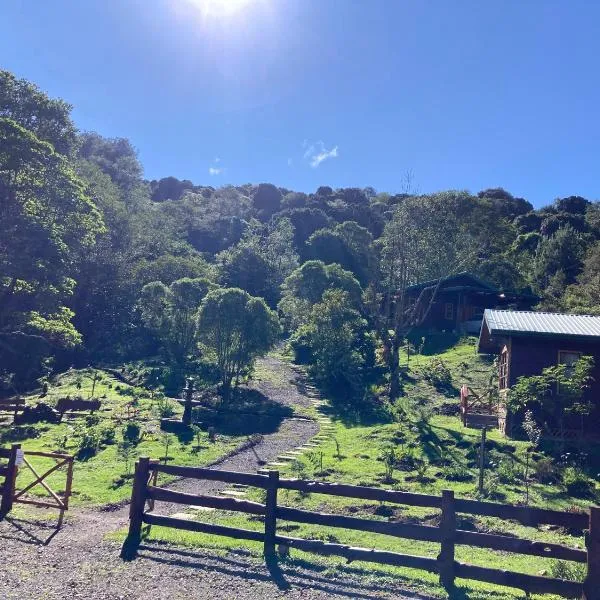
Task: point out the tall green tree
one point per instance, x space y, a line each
46 222
171 314
306 285
235 328
340 345
427 238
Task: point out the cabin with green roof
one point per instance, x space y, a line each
527 342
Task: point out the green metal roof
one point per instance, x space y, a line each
541 323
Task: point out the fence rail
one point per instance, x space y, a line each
447 534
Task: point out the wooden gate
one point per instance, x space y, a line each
19 463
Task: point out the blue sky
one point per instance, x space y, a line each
302 93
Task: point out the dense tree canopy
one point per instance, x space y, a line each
98 264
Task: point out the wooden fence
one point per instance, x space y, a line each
10 471
447 534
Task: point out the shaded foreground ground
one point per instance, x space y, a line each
36 563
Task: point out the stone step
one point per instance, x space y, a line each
235 493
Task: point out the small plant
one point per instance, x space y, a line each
457 473
164 406
132 433
127 453
316 460
338 454
421 470
61 441
388 457
198 435
534 433
545 471
562 569
212 435
166 440
92 420
106 435
88 442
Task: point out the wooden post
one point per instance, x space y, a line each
448 534
591 584
8 491
482 459
271 515
187 409
138 501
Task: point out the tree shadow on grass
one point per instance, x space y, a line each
248 411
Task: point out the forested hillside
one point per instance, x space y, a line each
100 266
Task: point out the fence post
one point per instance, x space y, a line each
482 459
8 491
136 508
448 534
271 515
591 584
187 408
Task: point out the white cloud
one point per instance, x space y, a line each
215 171
217 159
316 153
290 162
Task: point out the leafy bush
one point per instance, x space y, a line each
577 483
164 407
132 433
106 435
545 471
389 458
456 473
438 374
570 571
88 442
509 471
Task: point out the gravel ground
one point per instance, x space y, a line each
78 563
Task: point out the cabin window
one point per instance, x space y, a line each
569 358
503 369
449 311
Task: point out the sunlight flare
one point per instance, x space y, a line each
220 8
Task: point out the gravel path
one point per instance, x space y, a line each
78 563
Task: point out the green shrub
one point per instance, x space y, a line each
509 471
457 473
438 374
545 470
132 433
88 442
570 571
164 407
389 458
106 435
577 483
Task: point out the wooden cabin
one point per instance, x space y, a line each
461 300
527 342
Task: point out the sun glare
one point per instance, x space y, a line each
220 8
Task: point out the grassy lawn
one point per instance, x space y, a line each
434 453
102 477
